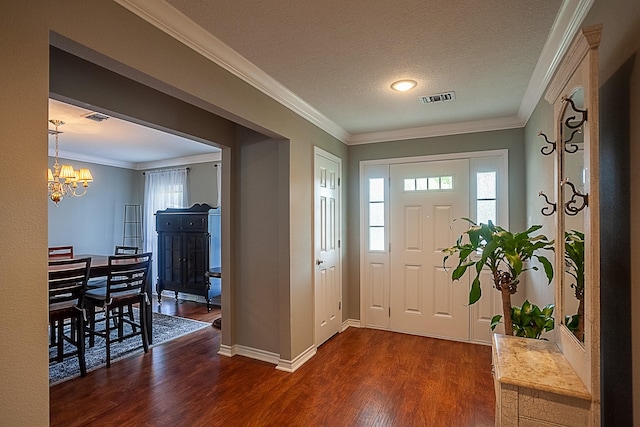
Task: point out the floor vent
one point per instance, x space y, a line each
437 98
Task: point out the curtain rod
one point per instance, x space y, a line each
167 170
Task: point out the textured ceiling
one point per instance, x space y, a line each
333 62
120 143
341 56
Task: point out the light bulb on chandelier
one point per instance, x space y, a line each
63 180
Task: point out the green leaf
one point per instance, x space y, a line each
476 292
548 268
495 321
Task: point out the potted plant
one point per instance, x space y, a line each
529 321
504 253
574 265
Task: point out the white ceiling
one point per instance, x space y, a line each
120 143
333 61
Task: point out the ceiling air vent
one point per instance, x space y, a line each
437 98
96 117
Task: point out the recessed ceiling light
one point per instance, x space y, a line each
403 85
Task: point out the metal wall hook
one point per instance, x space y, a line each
546 150
577 202
568 146
547 210
583 114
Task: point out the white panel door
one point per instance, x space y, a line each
425 199
327 282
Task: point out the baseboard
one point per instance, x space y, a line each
350 323
215 301
292 365
226 350
252 353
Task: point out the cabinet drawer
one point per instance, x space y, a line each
167 223
194 223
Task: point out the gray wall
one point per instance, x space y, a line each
93 223
258 227
512 140
539 177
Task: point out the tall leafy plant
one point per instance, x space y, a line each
574 266
505 254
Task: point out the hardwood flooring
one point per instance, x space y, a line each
361 377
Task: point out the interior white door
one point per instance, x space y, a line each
425 199
328 282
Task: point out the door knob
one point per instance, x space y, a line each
319 261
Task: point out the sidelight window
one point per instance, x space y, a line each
376 214
486 197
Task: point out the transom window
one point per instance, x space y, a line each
429 183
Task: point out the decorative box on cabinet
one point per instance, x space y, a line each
184 246
536 386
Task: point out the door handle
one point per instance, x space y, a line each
319 261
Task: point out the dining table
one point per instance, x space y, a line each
100 268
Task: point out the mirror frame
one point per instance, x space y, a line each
579 69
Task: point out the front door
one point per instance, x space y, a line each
426 197
328 281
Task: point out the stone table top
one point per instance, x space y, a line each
535 364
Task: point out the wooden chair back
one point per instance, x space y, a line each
68 281
126 250
127 276
61 252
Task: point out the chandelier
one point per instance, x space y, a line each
63 180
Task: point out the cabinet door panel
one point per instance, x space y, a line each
197 259
171 248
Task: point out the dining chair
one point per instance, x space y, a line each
100 282
126 250
67 287
61 252
126 283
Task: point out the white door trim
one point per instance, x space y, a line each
503 210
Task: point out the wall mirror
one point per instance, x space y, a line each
574 201
573 92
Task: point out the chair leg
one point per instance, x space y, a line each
52 332
143 326
130 310
60 340
80 344
120 315
107 314
92 325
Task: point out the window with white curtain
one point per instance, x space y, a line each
162 189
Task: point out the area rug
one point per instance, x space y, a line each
165 328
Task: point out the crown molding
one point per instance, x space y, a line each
171 21
572 14
179 161
438 130
70 155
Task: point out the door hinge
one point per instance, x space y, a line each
338 243
339 305
389 311
338 181
389 246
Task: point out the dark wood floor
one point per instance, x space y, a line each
361 377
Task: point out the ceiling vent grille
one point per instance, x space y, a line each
96 117
437 98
